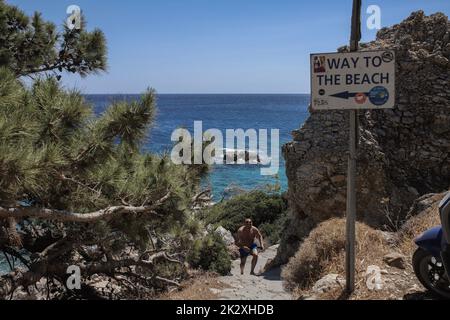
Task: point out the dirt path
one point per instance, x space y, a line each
267 286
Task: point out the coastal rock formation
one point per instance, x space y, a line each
241 155
403 153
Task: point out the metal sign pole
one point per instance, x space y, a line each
351 177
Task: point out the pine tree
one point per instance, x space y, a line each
30 45
76 188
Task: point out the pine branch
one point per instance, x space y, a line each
67 216
43 266
98 192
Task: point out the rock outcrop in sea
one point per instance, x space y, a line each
403 153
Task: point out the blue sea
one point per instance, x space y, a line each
226 111
243 111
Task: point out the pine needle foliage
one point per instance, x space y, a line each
58 156
55 153
31 45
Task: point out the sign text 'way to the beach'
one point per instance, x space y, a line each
357 80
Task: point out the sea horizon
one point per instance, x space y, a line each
285 112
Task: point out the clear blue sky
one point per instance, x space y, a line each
217 46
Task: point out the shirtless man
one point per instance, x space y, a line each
247 246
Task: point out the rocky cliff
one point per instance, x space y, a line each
403 153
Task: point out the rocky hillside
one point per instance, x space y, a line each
404 153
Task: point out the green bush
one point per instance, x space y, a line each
272 231
267 210
210 254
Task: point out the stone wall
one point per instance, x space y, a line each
403 153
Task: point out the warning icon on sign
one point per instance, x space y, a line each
319 64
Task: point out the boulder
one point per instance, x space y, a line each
226 235
328 283
396 260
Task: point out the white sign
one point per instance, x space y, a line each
357 80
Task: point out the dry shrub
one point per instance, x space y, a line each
198 288
424 220
323 252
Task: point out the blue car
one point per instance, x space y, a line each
431 261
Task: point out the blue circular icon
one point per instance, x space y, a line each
379 96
